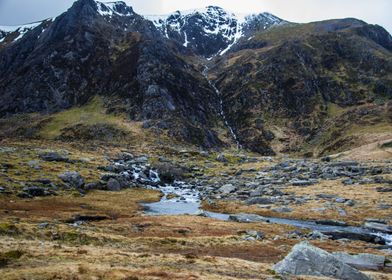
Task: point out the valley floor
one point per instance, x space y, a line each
72 233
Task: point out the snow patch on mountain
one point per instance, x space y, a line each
211 25
114 8
20 29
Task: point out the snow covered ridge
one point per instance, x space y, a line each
194 25
118 8
21 29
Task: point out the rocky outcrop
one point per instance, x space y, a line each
305 259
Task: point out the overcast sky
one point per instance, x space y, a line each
13 12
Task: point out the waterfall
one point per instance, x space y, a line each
221 111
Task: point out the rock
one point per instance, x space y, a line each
362 261
332 223
247 218
54 156
378 221
340 200
86 218
326 196
113 185
221 158
384 189
33 191
303 183
366 237
34 164
350 203
125 156
92 186
343 164
305 259
252 235
282 210
259 200
201 213
43 225
73 178
228 188
383 206
317 235
378 227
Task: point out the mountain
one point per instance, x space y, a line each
308 86
211 31
206 77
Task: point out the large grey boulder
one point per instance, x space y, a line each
228 188
362 261
73 178
305 259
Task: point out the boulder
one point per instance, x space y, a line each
247 218
221 158
113 185
228 188
384 189
305 259
73 178
54 156
259 200
283 209
366 237
362 261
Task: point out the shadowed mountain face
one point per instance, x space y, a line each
272 77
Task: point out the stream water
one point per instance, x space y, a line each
184 199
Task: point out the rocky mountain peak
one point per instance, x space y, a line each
212 30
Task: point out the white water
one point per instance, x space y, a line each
221 111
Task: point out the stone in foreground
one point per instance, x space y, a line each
362 261
305 259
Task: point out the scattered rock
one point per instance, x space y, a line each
259 200
282 210
34 191
252 235
305 259
73 178
54 156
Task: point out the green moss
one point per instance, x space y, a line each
7 257
90 114
8 229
